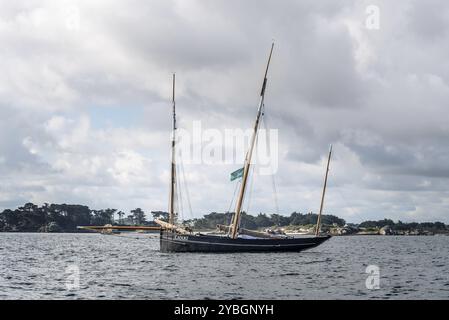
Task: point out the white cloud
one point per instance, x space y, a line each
85 102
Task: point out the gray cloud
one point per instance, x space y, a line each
85 102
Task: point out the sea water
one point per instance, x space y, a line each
130 266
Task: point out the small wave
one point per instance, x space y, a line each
289 274
120 285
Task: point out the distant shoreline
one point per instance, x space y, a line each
65 218
334 235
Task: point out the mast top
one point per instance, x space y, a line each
262 92
173 95
173 102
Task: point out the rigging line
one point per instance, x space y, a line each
251 175
168 200
186 188
237 184
175 188
176 204
331 182
176 194
250 189
169 197
179 191
175 198
273 179
232 200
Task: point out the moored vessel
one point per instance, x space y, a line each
176 238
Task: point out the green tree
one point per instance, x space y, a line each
248 221
138 216
102 217
160 215
263 221
120 216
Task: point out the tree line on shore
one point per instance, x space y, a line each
66 218
63 218
262 220
404 226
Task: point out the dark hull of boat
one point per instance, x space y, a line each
173 242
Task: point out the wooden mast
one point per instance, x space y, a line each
172 216
236 218
318 223
171 209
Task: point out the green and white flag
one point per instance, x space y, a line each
237 174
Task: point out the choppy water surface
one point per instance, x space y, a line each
40 266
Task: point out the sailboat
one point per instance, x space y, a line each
176 238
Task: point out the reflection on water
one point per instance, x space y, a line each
93 266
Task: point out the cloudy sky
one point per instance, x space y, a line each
85 102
